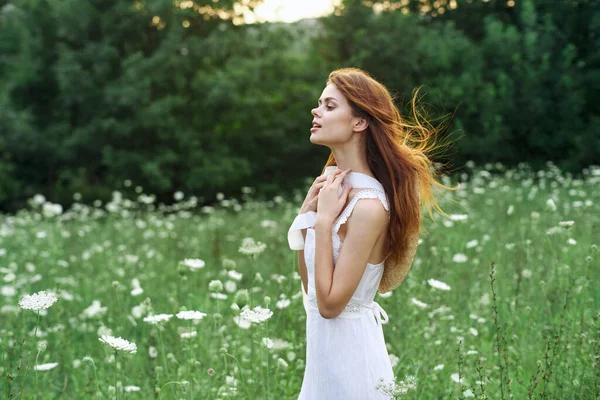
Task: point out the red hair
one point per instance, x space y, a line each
398 154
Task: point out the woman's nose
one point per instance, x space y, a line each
314 112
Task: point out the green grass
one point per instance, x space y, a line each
521 318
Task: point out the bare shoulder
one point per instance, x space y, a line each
370 215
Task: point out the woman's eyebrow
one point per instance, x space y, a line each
327 98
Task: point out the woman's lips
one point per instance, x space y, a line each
314 129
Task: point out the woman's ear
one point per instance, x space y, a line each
361 125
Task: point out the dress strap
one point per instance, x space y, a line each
363 194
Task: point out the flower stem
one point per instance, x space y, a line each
116 389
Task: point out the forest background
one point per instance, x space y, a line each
182 96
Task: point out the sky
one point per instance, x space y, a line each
289 10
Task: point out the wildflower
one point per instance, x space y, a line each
473 331
210 372
280 344
283 303
526 273
152 352
566 224
455 378
45 367
132 388
458 217
459 258
94 310
395 390
219 296
551 204
472 243
572 241
119 344
215 286
191 315
155 319
281 362
419 303
194 264
241 322
468 393
188 335
257 315
235 275
178 195
38 301
438 284
230 286
438 367
268 343
250 247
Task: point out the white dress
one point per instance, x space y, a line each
345 356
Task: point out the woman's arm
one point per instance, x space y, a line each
335 287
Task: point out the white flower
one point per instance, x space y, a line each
458 217
8 291
250 247
235 275
268 343
94 310
526 273
551 204
193 264
419 303
218 296
241 322
396 390
454 377
230 286
45 367
283 303
394 360
188 335
280 344
178 195
472 243
257 315
118 343
282 363
132 388
215 286
566 224
468 393
438 367
152 352
459 258
438 284
193 315
38 301
473 331
155 319
572 241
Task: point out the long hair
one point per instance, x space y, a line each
399 155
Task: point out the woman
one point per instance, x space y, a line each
349 249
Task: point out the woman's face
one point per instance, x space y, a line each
333 114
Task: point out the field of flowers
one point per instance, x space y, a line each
136 300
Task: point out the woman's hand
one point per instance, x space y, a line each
311 200
330 204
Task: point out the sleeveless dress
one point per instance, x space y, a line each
345 356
